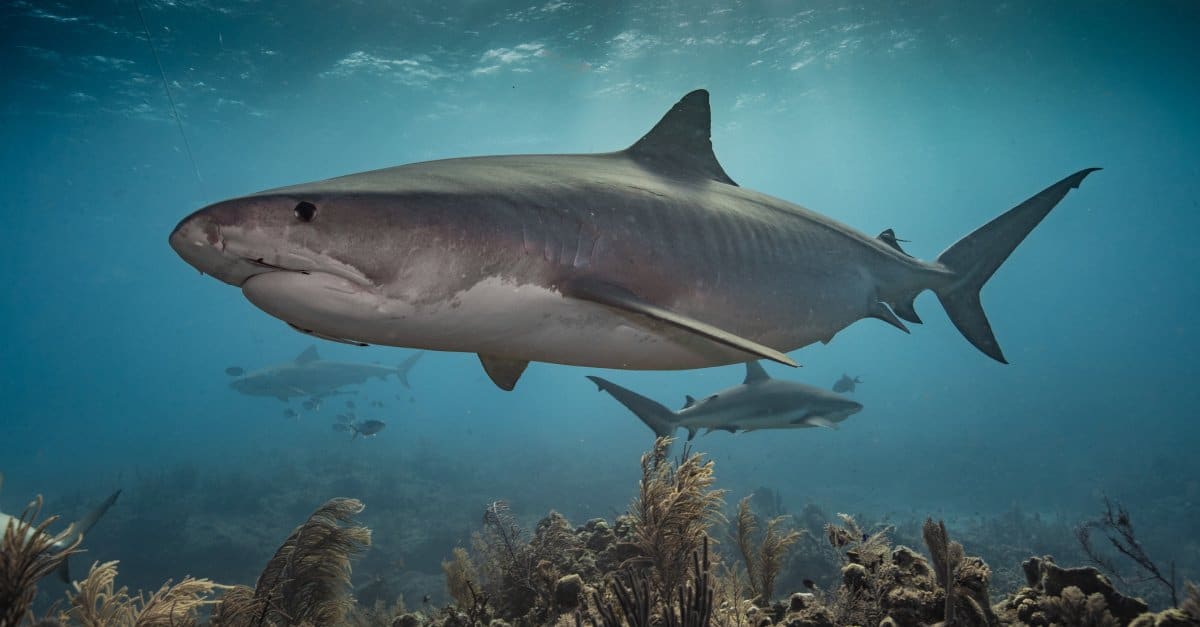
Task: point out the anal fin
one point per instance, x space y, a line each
881 311
621 298
504 372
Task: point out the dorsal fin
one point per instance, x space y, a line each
681 142
688 401
755 373
308 356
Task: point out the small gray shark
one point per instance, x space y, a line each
309 375
760 402
77 529
647 258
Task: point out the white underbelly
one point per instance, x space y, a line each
493 317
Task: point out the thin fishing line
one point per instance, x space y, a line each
174 110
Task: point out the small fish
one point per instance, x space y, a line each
308 405
365 428
369 427
425 599
345 418
810 584
866 537
846 384
289 413
234 371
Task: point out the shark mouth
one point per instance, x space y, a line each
269 266
322 336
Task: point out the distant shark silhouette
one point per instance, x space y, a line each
760 402
310 376
648 258
846 384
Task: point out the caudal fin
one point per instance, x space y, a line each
976 257
405 366
655 415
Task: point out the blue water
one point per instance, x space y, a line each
927 117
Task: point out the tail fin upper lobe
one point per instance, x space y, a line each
976 257
405 366
655 415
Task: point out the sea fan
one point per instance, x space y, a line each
97 602
762 565
27 554
308 579
673 510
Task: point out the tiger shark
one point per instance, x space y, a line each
760 402
309 375
647 258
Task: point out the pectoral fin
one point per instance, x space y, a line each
621 298
503 372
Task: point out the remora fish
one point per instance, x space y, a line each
79 528
646 258
309 375
760 402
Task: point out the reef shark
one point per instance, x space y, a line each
309 375
646 258
77 529
760 402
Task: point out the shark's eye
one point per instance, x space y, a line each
306 211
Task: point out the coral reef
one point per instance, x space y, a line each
1117 527
1059 595
656 564
518 572
964 580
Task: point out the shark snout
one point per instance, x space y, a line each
196 230
198 240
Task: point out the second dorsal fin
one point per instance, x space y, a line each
681 143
